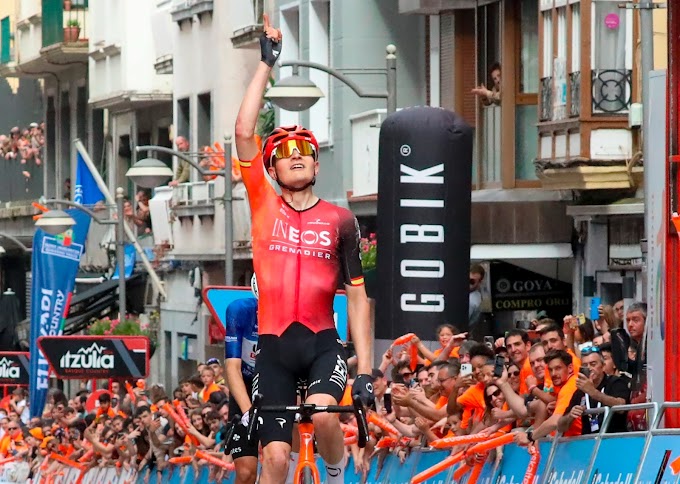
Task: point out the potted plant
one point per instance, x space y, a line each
130 326
369 256
72 31
67 5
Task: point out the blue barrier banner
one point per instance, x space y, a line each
571 459
218 298
617 460
516 460
54 266
663 449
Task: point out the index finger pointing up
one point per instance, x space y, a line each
265 21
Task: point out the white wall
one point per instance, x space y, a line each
205 61
127 24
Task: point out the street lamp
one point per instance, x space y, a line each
57 221
296 93
16 242
150 173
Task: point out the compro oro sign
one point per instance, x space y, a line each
97 356
14 367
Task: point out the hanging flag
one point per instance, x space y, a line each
130 260
86 191
54 267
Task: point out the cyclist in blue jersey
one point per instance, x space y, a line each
240 348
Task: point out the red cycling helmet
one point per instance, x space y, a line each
284 133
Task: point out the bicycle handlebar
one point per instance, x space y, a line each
309 409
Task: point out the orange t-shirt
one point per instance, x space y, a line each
110 412
210 390
525 372
454 354
8 443
564 395
473 404
574 361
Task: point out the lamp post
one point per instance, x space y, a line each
57 221
150 173
16 242
296 93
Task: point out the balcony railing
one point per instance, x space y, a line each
20 182
612 90
491 144
575 94
188 220
6 41
64 26
546 99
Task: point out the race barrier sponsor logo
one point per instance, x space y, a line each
97 356
14 367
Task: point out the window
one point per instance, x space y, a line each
488 41
547 43
290 29
319 51
559 73
575 37
611 57
183 118
528 83
204 121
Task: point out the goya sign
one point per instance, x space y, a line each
97 356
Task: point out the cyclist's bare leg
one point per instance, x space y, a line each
275 461
329 436
246 470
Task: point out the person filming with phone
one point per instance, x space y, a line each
596 389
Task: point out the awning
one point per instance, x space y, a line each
94 302
481 252
629 206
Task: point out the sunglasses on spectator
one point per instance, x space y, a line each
590 349
513 373
407 373
495 394
12 428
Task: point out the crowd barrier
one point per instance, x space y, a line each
632 458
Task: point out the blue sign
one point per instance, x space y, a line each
516 460
662 451
55 264
617 459
130 260
218 298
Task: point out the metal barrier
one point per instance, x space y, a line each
633 457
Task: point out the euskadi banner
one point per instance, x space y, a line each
14 367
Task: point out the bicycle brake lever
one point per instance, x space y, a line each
254 413
362 425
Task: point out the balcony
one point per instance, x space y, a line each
188 221
546 92
247 24
186 9
6 48
52 36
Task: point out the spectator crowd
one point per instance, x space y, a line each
533 383
24 146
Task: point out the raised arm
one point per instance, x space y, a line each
246 121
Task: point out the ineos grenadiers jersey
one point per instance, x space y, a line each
298 255
241 339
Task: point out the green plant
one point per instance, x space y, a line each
73 23
266 120
127 327
369 251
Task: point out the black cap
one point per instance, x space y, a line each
377 373
213 361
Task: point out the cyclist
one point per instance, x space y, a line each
240 345
301 245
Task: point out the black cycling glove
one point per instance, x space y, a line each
363 387
270 50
